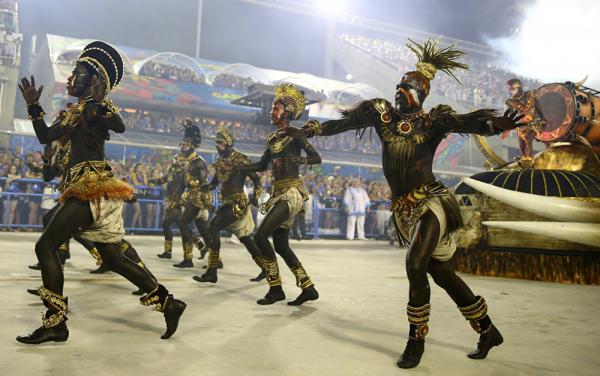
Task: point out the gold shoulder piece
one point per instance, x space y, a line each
382 107
112 108
439 111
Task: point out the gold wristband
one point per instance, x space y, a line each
313 127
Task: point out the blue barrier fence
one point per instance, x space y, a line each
27 200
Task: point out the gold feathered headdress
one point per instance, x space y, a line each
293 99
431 58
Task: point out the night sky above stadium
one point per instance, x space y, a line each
235 31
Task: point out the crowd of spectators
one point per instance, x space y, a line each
172 72
20 175
26 198
230 81
246 132
483 85
326 191
9 36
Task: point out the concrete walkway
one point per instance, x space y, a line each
358 326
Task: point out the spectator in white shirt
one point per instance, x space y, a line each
357 201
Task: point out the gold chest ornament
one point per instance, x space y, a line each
405 130
277 144
63 155
71 117
190 180
400 139
235 158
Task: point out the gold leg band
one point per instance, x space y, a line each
419 317
188 249
159 297
55 301
124 246
272 269
475 313
168 246
96 255
302 279
213 258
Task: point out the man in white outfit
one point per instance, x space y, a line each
263 198
357 201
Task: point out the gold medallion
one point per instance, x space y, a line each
404 127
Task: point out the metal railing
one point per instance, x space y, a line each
23 207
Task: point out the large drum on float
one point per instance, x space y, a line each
568 110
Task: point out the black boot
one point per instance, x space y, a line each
138 292
167 253
201 247
188 248
33 292
184 264
172 313
487 340
260 277
209 276
203 251
35 266
168 249
53 326
198 242
309 293
57 333
275 294
171 308
418 317
259 262
411 356
489 336
101 269
305 283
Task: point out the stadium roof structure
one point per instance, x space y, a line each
171 58
241 70
134 59
261 96
54 65
70 52
356 92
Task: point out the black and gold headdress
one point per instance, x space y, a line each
224 135
191 133
104 60
293 100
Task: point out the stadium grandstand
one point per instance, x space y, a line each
160 89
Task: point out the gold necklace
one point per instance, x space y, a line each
72 116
